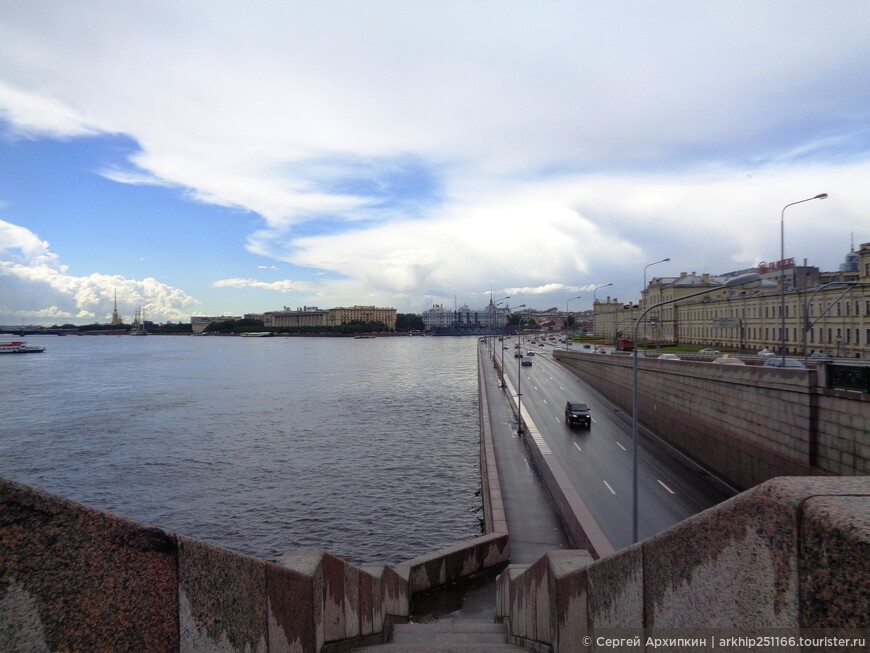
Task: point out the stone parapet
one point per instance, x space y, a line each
790 554
76 578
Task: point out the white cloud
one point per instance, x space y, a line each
38 286
279 286
562 147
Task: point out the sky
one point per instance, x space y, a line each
209 158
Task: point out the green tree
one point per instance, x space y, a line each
409 322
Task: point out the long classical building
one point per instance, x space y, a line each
311 316
491 317
824 311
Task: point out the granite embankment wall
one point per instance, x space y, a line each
787 556
746 423
75 578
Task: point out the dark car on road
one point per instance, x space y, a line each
526 362
577 413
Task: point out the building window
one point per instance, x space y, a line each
829 336
848 308
839 312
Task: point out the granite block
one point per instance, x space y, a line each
615 590
222 599
568 582
75 578
735 565
291 610
307 564
835 562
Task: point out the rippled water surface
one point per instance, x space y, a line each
365 448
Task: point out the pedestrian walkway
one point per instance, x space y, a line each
533 524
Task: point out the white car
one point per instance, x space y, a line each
789 362
669 357
709 352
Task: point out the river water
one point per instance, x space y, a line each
367 448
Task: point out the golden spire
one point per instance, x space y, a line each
116 319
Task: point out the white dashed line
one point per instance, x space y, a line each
621 447
578 447
612 491
667 488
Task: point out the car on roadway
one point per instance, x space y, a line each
669 357
789 362
577 413
821 356
540 344
728 359
518 354
709 352
765 353
526 362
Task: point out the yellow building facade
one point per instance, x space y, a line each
827 312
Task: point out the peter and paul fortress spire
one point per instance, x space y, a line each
116 319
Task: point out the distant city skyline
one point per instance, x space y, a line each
205 159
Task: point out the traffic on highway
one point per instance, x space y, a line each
598 458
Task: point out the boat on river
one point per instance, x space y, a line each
19 347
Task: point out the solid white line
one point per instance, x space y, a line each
621 447
610 488
578 447
667 488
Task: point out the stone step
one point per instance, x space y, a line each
473 647
457 636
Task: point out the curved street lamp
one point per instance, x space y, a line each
820 196
850 286
594 301
502 355
664 260
741 280
566 318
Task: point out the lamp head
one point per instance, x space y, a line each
821 196
749 280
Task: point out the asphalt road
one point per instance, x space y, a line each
599 460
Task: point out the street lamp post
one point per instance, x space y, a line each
502 354
664 260
594 301
566 319
820 196
519 392
741 280
850 285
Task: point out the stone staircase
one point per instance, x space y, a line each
447 636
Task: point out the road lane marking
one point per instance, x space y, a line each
578 447
612 491
667 488
621 447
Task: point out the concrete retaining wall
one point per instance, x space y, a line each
789 554
747 423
